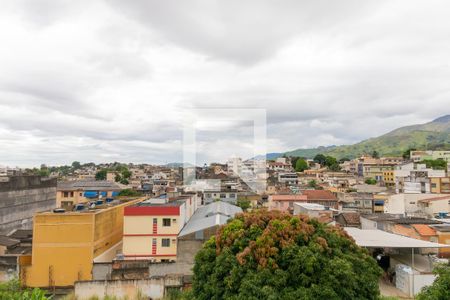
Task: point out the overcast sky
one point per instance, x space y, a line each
115 80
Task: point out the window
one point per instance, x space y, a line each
222 196
232 195
166 222
165 243
65 194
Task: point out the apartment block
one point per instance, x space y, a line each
229 196
65 244
417 156
70 193
151 227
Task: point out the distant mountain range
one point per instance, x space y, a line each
434 135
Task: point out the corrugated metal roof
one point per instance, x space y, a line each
383 239
88 185
215 213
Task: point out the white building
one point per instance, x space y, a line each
410 204
414 178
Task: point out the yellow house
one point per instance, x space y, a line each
388 177
65 244
440 185
71 193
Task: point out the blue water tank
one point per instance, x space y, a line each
114 194
104 194
91 194
108 200
99 202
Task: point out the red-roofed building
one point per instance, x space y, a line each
323 197
285 202
151 227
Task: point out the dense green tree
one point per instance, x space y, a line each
320 158
43 172
244 204
294 161
101 175
274 255
407 153
312 184
76 165
344 159
11 290
370 181
301 165
435 164
440 289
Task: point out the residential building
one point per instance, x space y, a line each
348 219
281 164
151 227
414 178
443 236
358 202
229 196
440 185
417 156
415 204
370 167
389 178
285 202
234 165
71 193
23 196
65 244
314 210
288 178
435 206
325 198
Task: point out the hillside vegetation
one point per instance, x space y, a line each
434 135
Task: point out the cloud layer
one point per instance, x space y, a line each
115 80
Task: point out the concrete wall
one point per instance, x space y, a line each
23 196
101 271
154 288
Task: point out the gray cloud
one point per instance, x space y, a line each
115 80
242 32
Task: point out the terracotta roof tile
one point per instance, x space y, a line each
424 230
289 198
319 195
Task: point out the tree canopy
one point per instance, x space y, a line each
435 164
101 175
370 181
274 255
440 289
301 165
327 161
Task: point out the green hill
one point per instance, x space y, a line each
432 136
